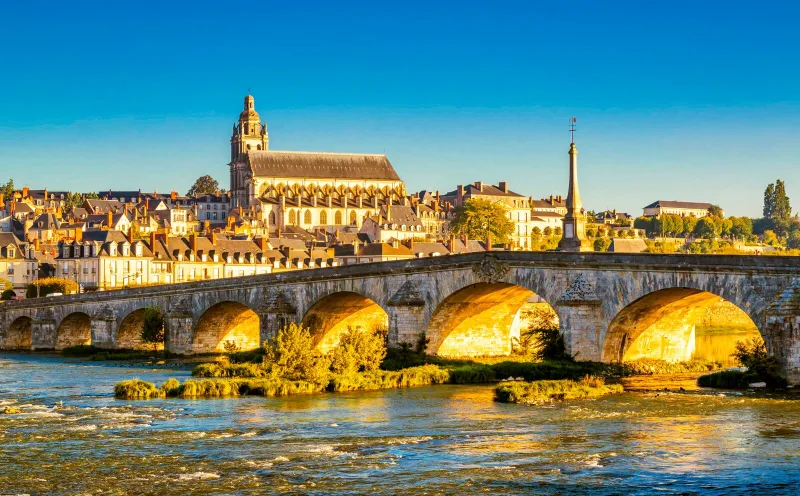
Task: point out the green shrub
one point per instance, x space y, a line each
727 379
358 351
171 387
652 366
50 285
80 350
752 353
215 370
153 327
291 355
208 388
472 374
8 294
545 391
136 389
389 379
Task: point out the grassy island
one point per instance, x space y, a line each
538 392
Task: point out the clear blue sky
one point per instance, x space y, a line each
696 101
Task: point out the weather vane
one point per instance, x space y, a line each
572 121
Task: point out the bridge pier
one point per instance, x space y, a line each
406 316
104 331
43 331
580 316
178 333
783 331
275 314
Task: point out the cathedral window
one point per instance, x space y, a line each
307 217
272 220
323 218
337 219
353 217
292 217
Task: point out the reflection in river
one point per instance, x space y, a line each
432 440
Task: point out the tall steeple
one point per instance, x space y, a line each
573 236
249 134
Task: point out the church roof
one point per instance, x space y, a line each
679 204
273 163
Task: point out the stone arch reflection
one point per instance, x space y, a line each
226 321
333 315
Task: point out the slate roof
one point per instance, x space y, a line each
401 215
487 190
384 249
273 163
679 204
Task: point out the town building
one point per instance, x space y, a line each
17 264
682 208
518 206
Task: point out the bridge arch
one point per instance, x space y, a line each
129 331
333 314
677 324
226 321
19 335
484 319
74 330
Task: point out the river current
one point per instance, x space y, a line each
428 440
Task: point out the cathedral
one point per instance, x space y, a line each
310 190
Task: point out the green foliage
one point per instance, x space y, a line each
652 366
291 355
72 200
388 379
716 211
8 294
50 285
707 227
777 208
136 389
538 392
557 231
205 185
358 351
601 244
769 238
752 353
479 218
7 189
741 227
231 347
217 370
153 327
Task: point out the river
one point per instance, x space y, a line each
428 440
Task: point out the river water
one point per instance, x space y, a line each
429 440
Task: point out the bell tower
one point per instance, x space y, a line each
249 134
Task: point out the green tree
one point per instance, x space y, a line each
601 244
769 201
358 351
7 295
769 238
292 355
707 228
782 209
7 189
92 196
793 241
153 327
479 218
72 201
742 227
5 284
673 224
50 285
205 185
557 231
689 223
716 211
548 231
536 233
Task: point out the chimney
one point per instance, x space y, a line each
45 194
173 195
193 241
551 200
503 186
129 235
37 244
2 201
78 234
147 203
459 194
479 185
110 219
559 199
263 243
240 211
153 241
25 191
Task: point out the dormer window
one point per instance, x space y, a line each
11 252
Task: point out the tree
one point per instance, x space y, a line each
793 241
706 228
50 285
557 231
673 224
153 327
5 284
644 223
769 201
358 351
548 231
601 244
291 355
72 201
7 189
716 211
8 294
769 238
537 233
479 218
689 223
782 209
205 185
742 227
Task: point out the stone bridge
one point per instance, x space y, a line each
465 305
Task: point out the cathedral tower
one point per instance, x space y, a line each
248 134
573 236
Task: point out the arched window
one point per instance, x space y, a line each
307 217
353 217
292 218
272 220
337 219
323 218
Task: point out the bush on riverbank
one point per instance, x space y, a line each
538 392
726 379
218 370
761 367
650 366
136 389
